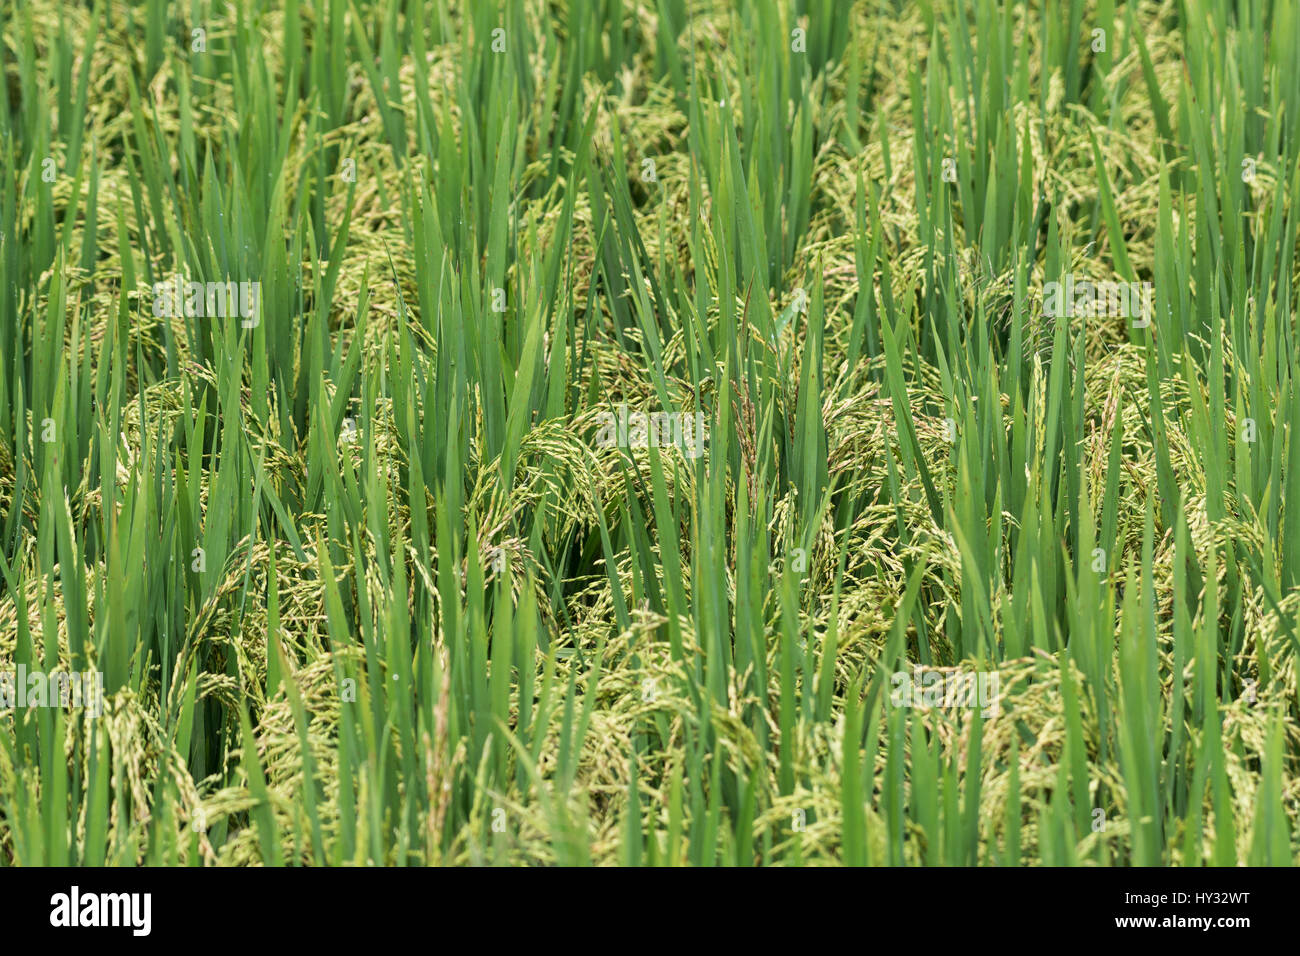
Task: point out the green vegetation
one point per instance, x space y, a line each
370 579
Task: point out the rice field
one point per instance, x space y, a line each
649 433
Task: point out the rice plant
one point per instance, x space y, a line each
649 432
